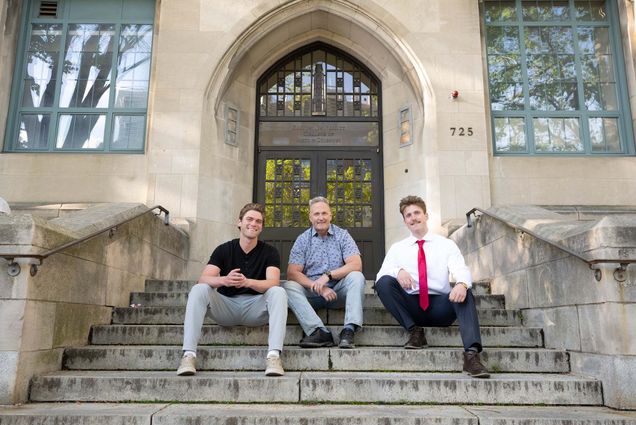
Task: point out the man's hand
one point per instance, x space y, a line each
235 279
458 293
328 294
405 280
319 284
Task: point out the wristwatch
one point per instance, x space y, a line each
328 274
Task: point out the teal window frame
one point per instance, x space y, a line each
117 13
622 113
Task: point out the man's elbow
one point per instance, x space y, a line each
356 265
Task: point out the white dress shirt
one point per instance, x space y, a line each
442 257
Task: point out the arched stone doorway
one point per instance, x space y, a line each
319 134
228 171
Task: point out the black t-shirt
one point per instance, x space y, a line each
253 265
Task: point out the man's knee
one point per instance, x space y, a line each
291 286
356 278
276 293
198 291
384 284
355 284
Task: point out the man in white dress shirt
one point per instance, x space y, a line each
424 260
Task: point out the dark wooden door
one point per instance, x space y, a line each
350 178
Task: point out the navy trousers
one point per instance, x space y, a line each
440 312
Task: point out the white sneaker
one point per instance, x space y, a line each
274 367
187 366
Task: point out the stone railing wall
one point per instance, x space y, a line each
41 315
593 320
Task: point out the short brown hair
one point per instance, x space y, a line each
412 200
252 206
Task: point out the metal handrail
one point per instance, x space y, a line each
620 274
14 268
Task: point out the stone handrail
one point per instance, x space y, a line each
620 273
14 268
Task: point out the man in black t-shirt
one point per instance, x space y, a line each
240 285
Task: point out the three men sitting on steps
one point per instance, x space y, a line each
240 285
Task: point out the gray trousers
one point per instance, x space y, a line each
350 292
247 310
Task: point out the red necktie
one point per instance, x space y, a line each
421 269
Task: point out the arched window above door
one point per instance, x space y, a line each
319 81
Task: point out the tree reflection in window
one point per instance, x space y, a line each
85 85
553 77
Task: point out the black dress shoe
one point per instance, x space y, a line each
318 338
346 339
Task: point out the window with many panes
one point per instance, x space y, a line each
319 82
81 81
556 77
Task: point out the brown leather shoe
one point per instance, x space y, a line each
473 365
417 340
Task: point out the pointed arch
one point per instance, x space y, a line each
280 15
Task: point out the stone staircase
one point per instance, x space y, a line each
135 358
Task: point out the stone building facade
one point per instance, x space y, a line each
478 103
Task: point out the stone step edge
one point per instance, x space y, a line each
165 413
173 334
374 316
367 281
447 359
482 284
296 347
317 387
182 293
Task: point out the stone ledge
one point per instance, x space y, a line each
317 387
269 414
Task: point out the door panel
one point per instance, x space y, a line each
351 180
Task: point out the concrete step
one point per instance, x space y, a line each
316 387
375 387
512 336
295 358
372 316
480 287
277 414
79 414
180 299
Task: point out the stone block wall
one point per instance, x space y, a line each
41 315
591 319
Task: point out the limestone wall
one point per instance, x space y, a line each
41 315
591 319
209 53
